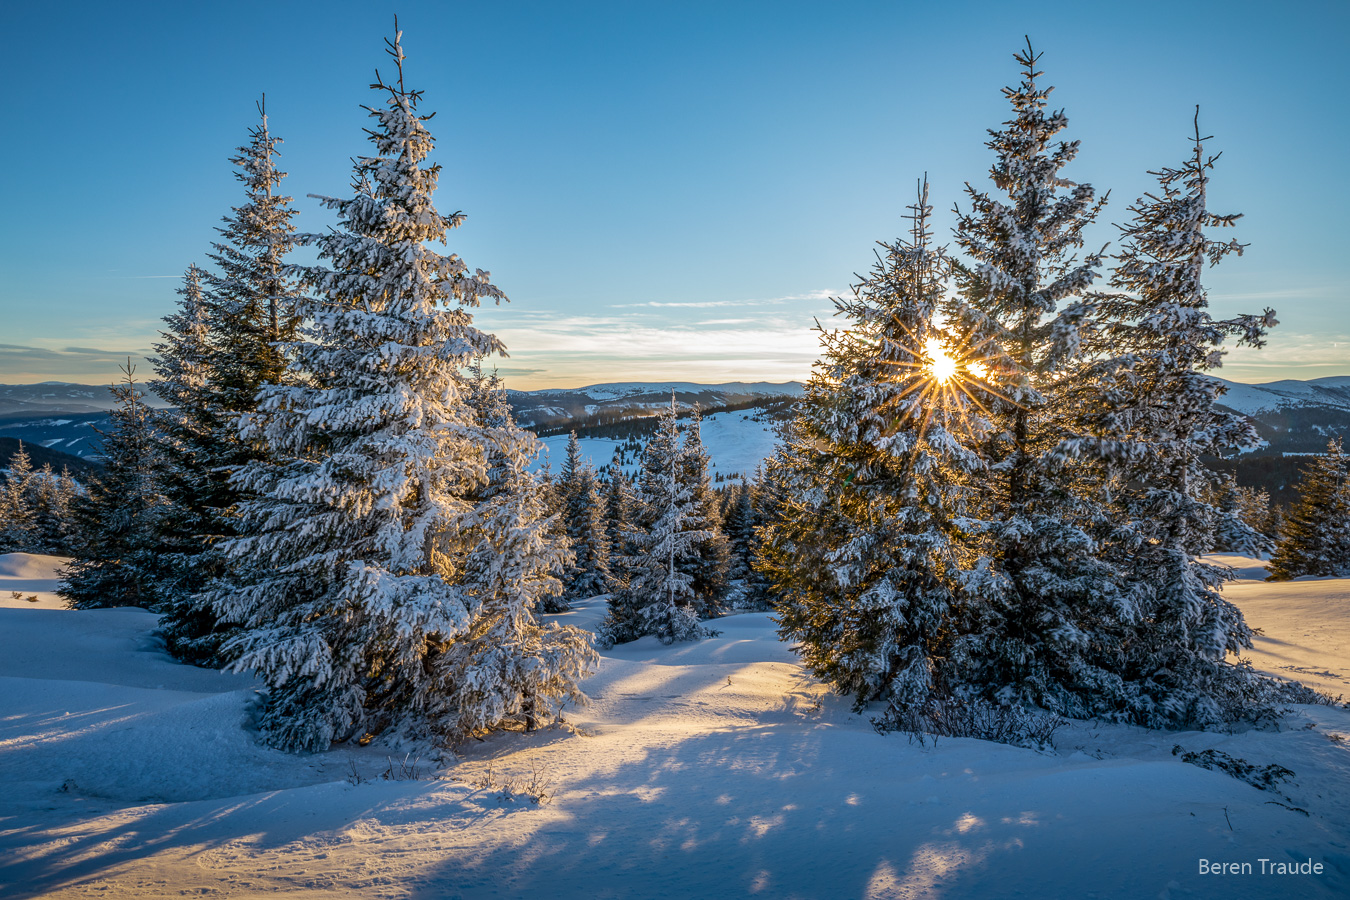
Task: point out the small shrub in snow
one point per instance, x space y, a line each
538 789
405 769
1265 778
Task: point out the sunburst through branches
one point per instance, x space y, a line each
941 367
950 375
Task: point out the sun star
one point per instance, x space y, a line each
941 366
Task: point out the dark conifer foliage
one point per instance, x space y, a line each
196 441
223 344
1151 409
584 503
18 517
865 552
667 535
251 296
707 567
1022 307
1317 532
117 519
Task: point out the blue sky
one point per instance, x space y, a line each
665 191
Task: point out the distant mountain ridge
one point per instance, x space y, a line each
1251 399
58 397
1291 416
39 456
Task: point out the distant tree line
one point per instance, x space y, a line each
638 423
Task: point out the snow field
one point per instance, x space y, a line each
735 441
29 574
709 769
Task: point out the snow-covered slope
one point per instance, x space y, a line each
1306 625
736 440
713 769
1294 416
33 577
1251 399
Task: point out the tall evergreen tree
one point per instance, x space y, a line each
1152 411
1021 308
18 519
1317 533
52 496
198 444
369 538
116 521
659 597
222 345
620 510
508 666
555 512
739 527
252 296
867 555
708 567
589 573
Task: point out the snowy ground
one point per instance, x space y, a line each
716 769
736 442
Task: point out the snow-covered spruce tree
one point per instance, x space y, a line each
707 568
659 597
1241 515
756 506
1046 595
221 346
739 527
363 559
508 666
18 519
555 511
589 574
1317 532
252 297
770 492
116 522
866 556
198 444
620 511
1151 410
51 498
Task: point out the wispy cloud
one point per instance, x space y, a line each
96 364
824 294
1289 355
576 350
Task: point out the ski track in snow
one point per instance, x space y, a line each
711 769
